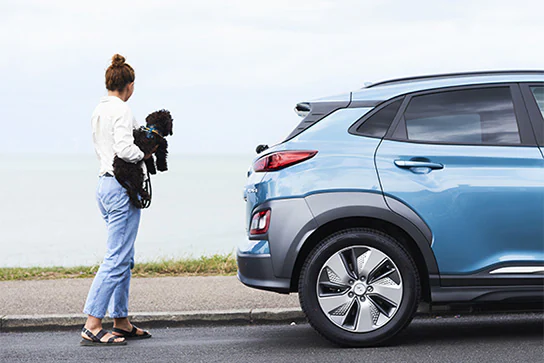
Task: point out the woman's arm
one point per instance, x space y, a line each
123 140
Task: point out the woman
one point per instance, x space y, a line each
112 124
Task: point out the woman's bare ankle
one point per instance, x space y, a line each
121 322
93 323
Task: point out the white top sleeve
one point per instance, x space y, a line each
123 140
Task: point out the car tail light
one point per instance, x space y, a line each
281 159
260 222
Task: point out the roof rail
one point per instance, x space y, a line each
453 75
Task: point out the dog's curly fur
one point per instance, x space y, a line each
130 175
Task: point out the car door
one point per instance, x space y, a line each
465 159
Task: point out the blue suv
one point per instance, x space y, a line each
416 190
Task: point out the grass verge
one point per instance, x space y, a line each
203 266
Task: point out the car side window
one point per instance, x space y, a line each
538 92
378 124
473 116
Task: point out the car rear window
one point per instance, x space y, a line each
377 124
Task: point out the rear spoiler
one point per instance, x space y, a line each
314 111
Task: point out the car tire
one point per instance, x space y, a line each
362 318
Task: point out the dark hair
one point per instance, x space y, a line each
119 74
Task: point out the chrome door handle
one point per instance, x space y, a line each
417 164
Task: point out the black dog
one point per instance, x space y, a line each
147 138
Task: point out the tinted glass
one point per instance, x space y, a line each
538 92
378 124
473 116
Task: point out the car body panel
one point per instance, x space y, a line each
482 207
343 161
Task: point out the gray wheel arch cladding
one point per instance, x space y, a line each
294 220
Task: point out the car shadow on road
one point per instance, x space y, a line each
469 328
423 331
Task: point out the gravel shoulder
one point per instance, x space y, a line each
161 294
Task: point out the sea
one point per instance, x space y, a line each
49 215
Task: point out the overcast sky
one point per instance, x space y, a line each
232 71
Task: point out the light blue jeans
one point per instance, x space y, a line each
110 287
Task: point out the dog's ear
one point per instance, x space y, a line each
169 124
170 127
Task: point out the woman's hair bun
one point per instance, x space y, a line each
117 60
119 74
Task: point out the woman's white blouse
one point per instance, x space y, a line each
112 125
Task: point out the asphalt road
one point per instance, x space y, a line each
499 338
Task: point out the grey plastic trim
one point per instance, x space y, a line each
480 294
290 222
408 213
256 271
485 286
508 273
318 111
486 279
293 221
328 207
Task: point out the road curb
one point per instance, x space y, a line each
13 323
155 319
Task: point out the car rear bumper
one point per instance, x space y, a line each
256 271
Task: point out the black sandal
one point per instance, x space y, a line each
131 334
95 339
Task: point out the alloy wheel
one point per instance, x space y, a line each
359 289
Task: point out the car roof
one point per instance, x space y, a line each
385 90
448 76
